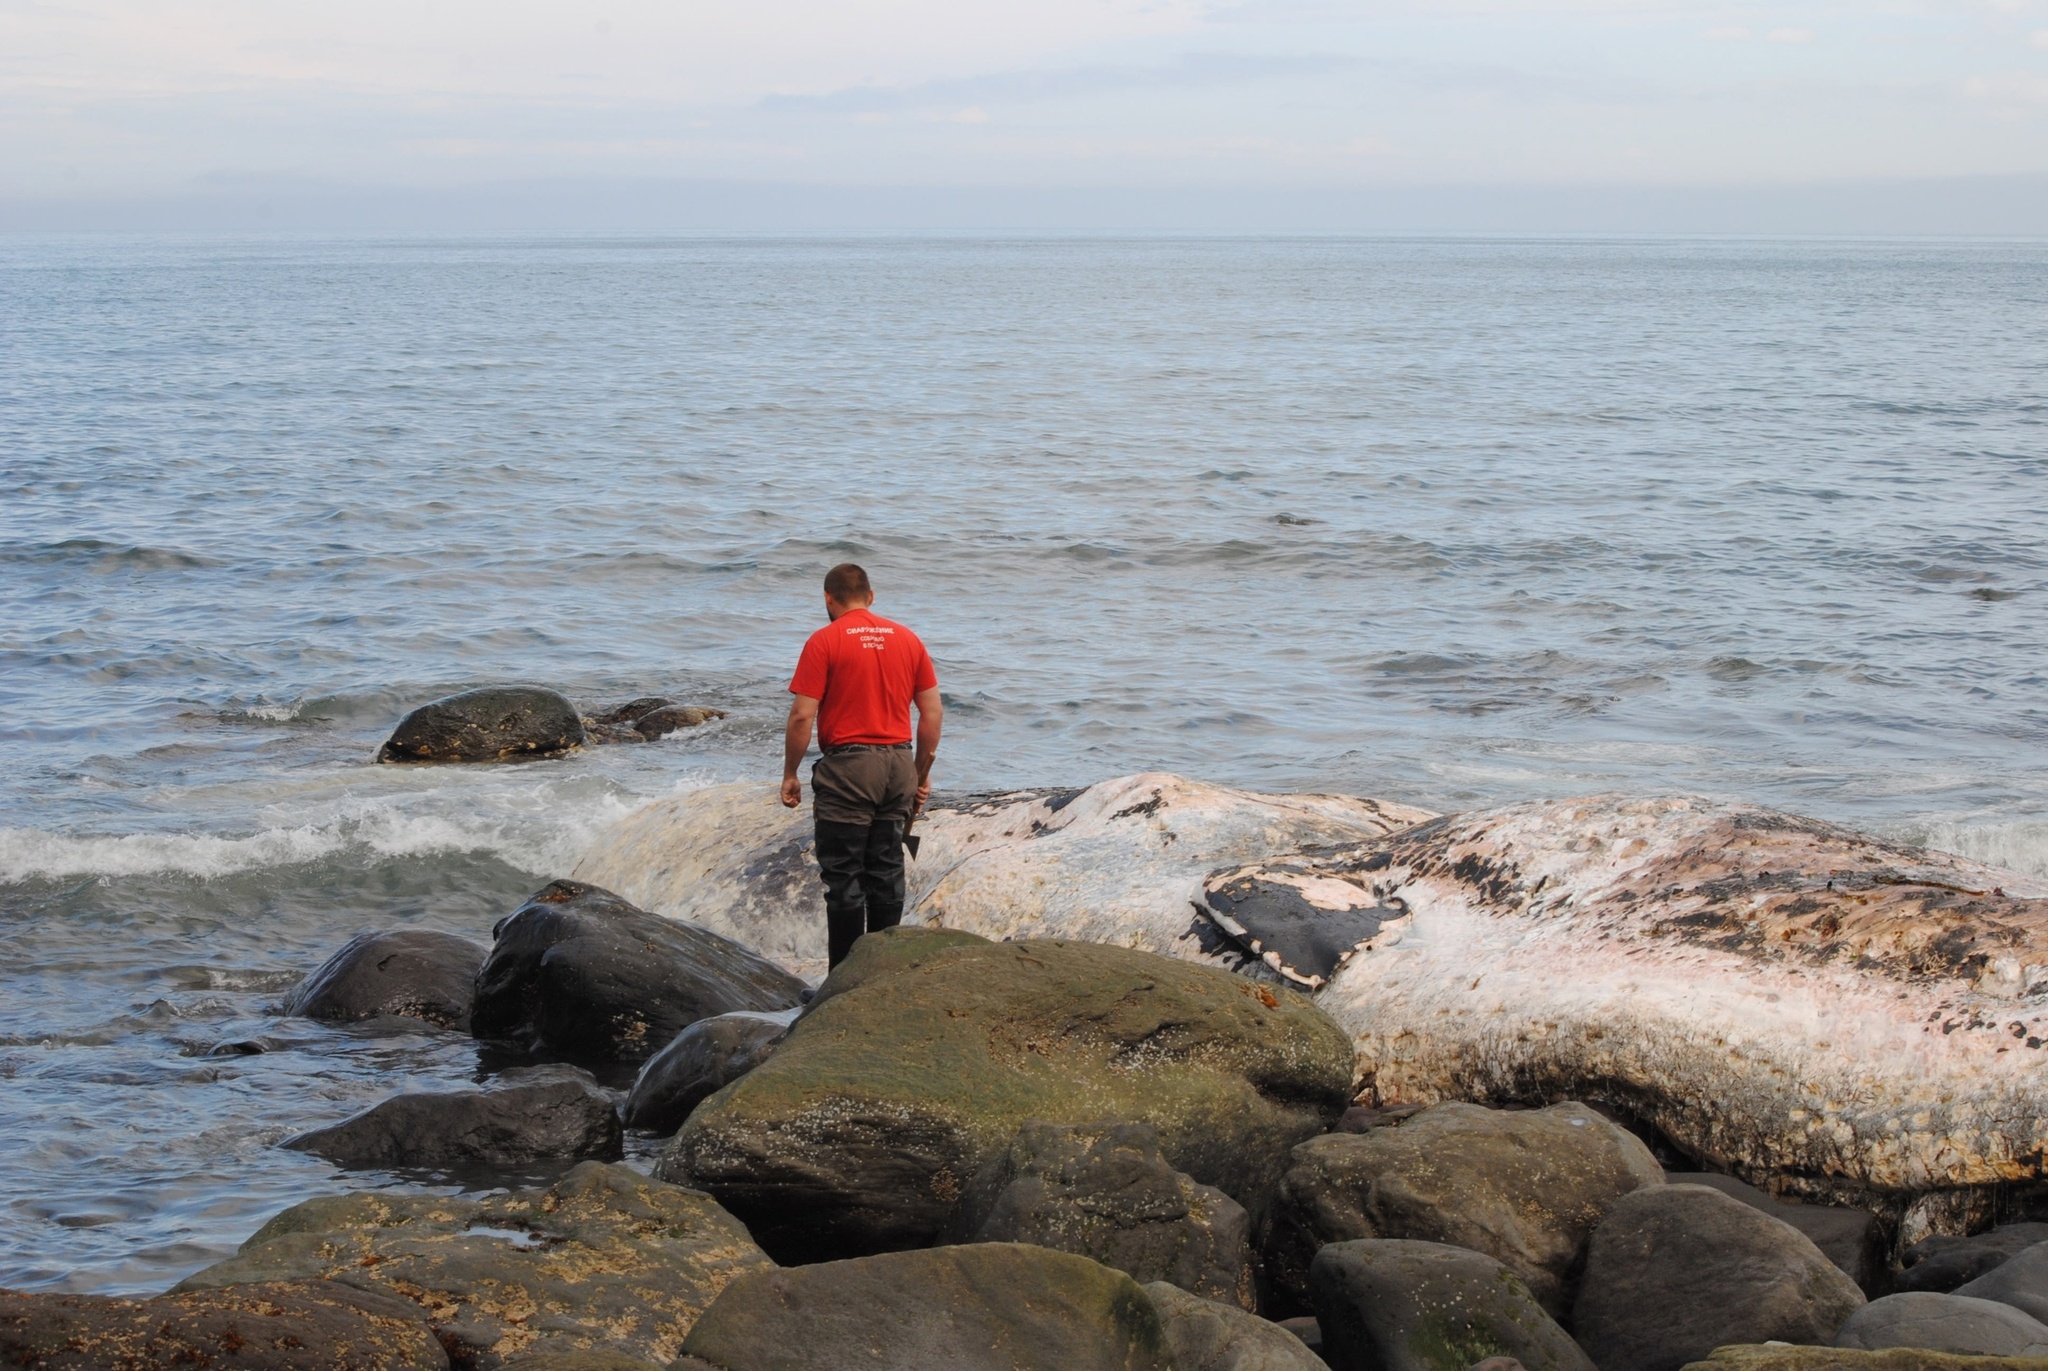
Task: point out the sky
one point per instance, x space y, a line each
126 97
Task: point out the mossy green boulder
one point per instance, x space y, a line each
1780 1356
605 1261
1395 1305
979 1307
916 1068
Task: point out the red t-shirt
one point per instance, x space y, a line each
863 670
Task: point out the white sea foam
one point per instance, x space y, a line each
540 830
2020 845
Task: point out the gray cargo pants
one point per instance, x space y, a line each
861 798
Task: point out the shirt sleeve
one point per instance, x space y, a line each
810 670
926 677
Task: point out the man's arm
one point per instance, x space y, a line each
931 717
796 741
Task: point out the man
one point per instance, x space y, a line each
856 680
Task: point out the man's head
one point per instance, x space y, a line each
847 588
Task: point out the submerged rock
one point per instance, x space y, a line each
873 1118
984 1307
1773 993
1786 1357
576 972
1675 1271
492 724
1426 1306
1103 1192
710 1053
646 719
1944 1323
413 973
503 1127
1118 862
606 1260
306 1326
1525 1187
1206 1335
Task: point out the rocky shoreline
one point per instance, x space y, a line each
1165 1075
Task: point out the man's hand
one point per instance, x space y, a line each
796 740
931 718
924 792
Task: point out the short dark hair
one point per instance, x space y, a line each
847 583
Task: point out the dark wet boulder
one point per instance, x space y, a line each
414 973
984 1307
1103 1191
1395 1305
886 1101
493 724
1944 1323
2021 1282
1526 1187
303 1326
1853 1239
605 1260
578 973
646 719
710 1053
1675 1271
503 1127
1944 1263
1206 1335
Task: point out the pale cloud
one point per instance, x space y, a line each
2039 38
1734 33
1789 36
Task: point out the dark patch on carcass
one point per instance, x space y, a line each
1216 943
1151 806
1276 918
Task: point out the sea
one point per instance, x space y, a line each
1456 522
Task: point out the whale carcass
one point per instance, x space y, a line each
1781 996
1121 861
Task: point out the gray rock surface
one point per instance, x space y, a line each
1944 1323
308 1326
2020 1281
1103 1191
884 1104
1852 1239
981 1307
710 1053
1206 1335
492 724
1944 1263
605 1260
1526 1187
1676 1271
414 973
505 1127
1395 1305
578 973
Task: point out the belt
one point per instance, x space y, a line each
834 749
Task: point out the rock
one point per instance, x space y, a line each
708 1054
1948 1263
885 1102
1103 1191
1944 1323
645 719
1732 972
984 1307
1205 1335
1526 1187
661 722
1497 1364
578 973
308 1326
1118 862
1785 1357
414 973
599 1361
486 725
1304 1327
504 1127
2021 1282
1675 1271
1853 1239
605 1260
1395 1305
